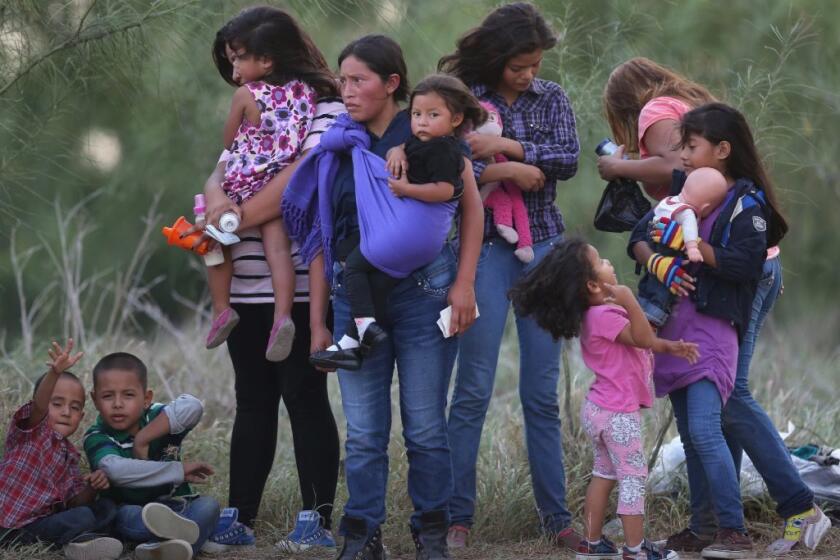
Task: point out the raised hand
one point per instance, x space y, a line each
62 359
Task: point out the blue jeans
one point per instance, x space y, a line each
748 428
498 271
76 524
204 510
424 361
711 470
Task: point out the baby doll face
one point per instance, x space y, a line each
121 399
704 190
431 117
247 67
493 125
67 406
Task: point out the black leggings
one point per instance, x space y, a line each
259 386
367 287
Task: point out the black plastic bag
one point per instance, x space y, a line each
622 206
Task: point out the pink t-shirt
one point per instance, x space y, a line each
622 372
655 110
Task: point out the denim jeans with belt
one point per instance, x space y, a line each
748 428
539 373
424 361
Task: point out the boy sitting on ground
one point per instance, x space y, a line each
43 496
138 446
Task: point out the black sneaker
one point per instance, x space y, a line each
356 545
430 538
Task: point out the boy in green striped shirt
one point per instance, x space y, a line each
137 443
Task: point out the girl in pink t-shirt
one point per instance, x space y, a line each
574 292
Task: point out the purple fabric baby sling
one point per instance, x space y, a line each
398 235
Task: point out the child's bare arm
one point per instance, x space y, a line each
638 333
61 359
397 161
239 111
427 192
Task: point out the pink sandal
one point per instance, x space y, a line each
280 341
221 328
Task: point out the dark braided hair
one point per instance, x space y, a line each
555 293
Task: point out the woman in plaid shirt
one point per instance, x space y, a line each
500 60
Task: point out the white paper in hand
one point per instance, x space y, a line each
446 319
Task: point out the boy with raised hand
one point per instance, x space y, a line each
138 446
43 496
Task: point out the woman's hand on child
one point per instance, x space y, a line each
687 350
397 162
97 480
670 272
197 473
62 359
400 186
608 165
667 232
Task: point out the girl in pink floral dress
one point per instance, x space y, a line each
269 119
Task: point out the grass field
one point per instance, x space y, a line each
794 381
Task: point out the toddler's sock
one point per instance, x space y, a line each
634 549
346 342
362 323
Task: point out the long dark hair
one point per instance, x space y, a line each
458 98
555 293
383 56
718 122
481 54
274 34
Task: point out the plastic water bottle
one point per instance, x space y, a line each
214 257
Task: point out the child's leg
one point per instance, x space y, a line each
499 202
594 421
218 279
624 441
204 511
357 280
278 255
60 528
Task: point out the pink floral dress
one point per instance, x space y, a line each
260 152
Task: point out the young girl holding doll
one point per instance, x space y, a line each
574 292
426 168
270 116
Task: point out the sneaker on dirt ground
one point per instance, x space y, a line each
229 534
649 551
688 541
102 548
805 529
730 544
604 549
162 522
457 536
308 533
166 550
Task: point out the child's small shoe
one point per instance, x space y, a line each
604 549
507 233
162 522
101 548
374 335
165 550
308 533
280 341
221 327
649 551
807 528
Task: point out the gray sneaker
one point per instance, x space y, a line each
162 522
166 550
102 548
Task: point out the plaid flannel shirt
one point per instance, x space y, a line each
39 472
541 119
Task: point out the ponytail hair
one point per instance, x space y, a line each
718 122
